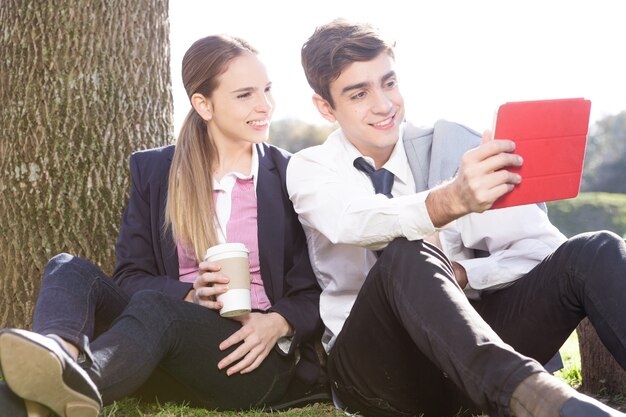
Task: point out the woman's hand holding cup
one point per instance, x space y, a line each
208 285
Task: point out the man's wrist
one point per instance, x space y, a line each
460 274
444 205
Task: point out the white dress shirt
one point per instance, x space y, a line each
345 222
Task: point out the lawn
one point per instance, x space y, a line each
570 373
131 407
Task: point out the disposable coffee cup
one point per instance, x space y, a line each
233 257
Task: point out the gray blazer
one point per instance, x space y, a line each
434 153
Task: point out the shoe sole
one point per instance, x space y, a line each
34 409
34 373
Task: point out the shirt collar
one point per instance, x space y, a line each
397 163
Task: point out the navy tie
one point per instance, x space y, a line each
381 178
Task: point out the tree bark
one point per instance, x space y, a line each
83 83
601 374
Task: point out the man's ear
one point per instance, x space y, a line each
324 107
202 106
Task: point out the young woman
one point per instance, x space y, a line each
96 340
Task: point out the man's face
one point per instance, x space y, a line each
369 106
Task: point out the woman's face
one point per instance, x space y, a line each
242 104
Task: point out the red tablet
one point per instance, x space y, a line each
551 136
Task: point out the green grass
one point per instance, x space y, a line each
131 407
589 211
571 362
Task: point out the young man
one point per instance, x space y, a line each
401 334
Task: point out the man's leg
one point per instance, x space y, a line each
410 325
584 277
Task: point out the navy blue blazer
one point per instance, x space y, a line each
147 256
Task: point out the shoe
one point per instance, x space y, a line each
39 370
583 406
300 395
34 409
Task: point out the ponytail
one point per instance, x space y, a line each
190 207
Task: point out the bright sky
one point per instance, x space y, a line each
456 60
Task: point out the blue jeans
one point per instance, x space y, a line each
150 342
414 344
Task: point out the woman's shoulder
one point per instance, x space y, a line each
160 154
275 150
151 166
278 156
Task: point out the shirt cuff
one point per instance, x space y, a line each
484 273
414 219
284 344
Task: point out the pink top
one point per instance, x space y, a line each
241 227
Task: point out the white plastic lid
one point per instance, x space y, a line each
230 249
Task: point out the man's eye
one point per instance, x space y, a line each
358 95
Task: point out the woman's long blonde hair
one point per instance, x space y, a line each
190 208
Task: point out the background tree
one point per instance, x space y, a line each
605 158
601 374
293 135
82 84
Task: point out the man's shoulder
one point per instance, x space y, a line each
441 129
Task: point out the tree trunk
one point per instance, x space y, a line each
82 84
600 372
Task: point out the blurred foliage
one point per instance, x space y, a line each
294 135
588 212
605 158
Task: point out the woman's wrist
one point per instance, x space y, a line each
285 329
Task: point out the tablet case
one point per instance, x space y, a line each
551 136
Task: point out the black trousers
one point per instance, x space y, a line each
150 344
414 344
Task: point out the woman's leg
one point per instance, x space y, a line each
182 339
10 404
77 301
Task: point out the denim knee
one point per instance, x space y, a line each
64 263
57 262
